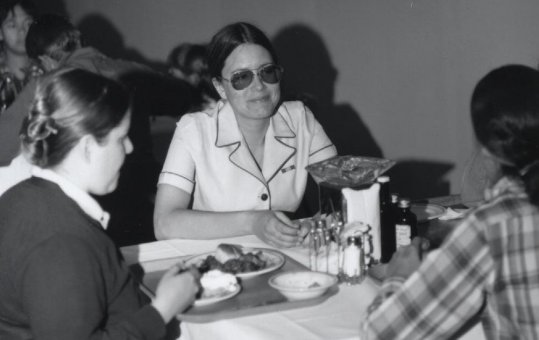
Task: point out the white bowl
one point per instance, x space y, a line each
301 285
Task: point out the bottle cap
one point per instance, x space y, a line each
404 203
383 179
356 240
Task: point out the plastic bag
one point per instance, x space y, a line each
348 171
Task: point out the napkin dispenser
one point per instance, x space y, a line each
347 184
356 205
363 205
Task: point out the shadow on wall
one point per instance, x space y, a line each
100 33
167 95
419 179
310 76
52 6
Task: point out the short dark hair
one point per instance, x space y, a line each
228 38
7 6
69 104
184 56
52 35
505 116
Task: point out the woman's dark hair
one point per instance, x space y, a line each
505 116
192 59
52 35
230 37
188 58
69 104
7 6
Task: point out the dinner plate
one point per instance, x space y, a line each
214 299
274 260
425 212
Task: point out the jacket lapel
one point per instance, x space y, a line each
229 137
280 145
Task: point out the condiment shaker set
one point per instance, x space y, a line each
328 252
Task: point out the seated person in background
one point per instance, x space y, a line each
188 62
61 277
54 41
242 163
489 266
16 69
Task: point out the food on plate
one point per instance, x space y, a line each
349 171
314 285
216 283
227 252
231 259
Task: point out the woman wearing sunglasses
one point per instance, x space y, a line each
60 275
242 164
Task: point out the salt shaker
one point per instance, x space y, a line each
354 261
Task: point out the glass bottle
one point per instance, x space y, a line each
405 224
387 224
394 202
314 246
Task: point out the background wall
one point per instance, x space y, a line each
386 78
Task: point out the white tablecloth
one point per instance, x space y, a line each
336 318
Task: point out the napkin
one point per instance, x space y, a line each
452 214
364 206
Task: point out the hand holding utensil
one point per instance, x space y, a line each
274 228
176 290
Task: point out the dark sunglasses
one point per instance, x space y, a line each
269 74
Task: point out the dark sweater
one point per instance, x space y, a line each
61 277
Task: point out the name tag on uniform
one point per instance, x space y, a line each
292 167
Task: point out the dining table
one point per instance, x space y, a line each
337 317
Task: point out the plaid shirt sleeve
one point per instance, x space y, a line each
438 299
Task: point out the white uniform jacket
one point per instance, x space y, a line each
209 157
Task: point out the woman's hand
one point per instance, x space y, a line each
407 260
274 228
175 292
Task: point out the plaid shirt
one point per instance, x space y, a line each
10 85
489 267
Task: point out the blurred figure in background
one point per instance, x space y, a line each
56 43
16 68
188 62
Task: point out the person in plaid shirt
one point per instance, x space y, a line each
488 269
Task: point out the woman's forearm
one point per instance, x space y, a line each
195 224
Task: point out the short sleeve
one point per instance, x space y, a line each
179 167
321 147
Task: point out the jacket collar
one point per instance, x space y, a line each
280 142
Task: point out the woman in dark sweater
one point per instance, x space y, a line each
61 277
